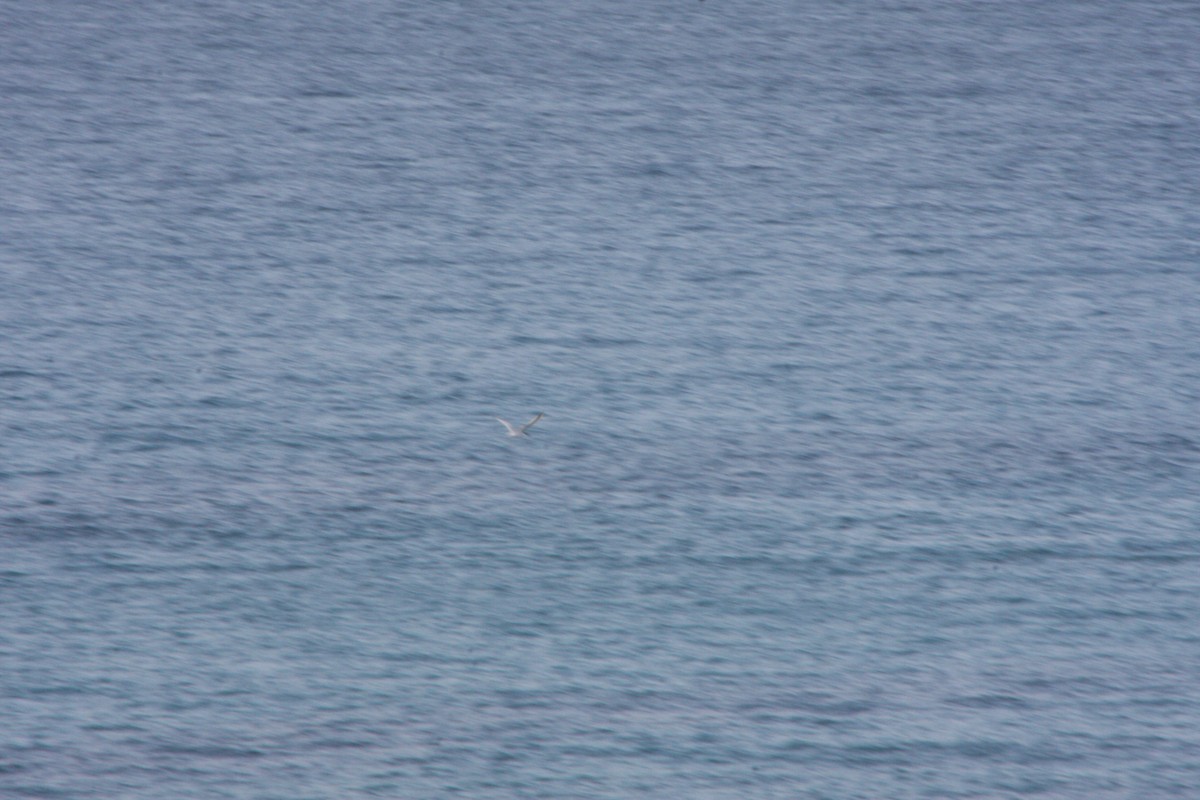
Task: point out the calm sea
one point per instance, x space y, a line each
867 337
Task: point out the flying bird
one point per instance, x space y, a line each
515 431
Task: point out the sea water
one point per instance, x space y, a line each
867 336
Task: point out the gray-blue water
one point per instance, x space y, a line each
867 334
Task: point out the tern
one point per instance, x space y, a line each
515 431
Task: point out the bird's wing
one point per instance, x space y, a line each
532 422
506 424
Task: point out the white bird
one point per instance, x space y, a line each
514 431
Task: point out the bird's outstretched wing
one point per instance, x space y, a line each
532 422
511 430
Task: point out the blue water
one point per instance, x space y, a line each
867 335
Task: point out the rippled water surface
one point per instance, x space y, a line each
867 339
